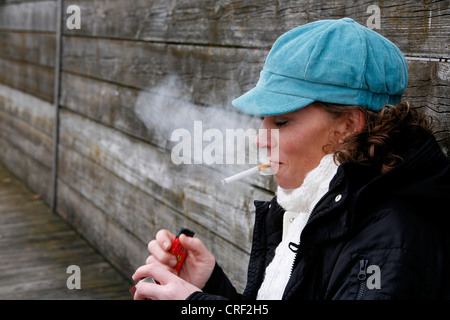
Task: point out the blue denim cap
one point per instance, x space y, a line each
335 61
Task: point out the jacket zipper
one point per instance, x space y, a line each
362 279
297 246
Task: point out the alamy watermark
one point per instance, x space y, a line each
213 146
374 21
74 280
74 21
374 278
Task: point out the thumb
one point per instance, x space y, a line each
194 245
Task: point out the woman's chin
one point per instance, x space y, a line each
287 183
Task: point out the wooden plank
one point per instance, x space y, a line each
33 79
120 201
418 28
37 113
28 15
32 172
119 247
36 48
429 88
148 65
110 104
34 143
36 247
429 84
26 139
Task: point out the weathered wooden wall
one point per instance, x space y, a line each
136 71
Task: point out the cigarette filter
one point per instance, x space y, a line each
246 173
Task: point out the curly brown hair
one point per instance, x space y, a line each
387 135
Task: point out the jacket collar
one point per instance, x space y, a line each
357 188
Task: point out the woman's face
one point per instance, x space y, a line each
298 146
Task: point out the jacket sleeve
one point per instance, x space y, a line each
218 287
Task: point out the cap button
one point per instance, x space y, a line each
348 20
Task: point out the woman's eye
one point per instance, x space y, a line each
280 123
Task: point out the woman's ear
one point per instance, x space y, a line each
354 122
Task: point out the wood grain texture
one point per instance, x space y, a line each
429 89
35 48
417 27
150 64
37 15
37 246
32 172
26 140
30 78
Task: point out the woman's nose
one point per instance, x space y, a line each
261 140
265 139
261 137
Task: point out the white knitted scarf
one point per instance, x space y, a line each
298 204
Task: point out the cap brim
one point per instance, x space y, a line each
266 103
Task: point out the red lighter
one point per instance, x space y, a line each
177 249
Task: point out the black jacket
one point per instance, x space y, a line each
372 236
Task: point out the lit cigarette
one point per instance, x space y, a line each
246 173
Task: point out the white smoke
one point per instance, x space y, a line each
171 116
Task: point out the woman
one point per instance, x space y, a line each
361 209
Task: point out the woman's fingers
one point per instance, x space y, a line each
147 290
169 287
153 270
159 248
194 245
165 239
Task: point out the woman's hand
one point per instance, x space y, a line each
169 287
197 267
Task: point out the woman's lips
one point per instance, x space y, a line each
275 166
